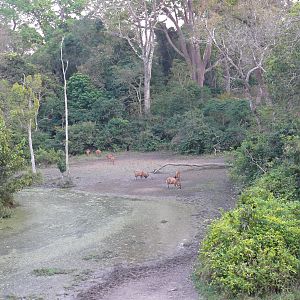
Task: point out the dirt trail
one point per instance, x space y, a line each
120 237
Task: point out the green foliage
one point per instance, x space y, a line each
46 157
115 135
283 181
43 140
177 99
13 67
194 135
11 163
81 136
253 249
230 119
262 151
282 67
61 161
147 141
86 103
50 271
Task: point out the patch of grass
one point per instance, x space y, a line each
98 257
50 271
5 212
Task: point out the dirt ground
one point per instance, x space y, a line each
207 191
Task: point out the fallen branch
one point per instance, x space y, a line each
203 166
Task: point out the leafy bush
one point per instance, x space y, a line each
230 119
42 140
61 162
253 249
116 135
178 99
87 103
194 135
11 163
81 137
283 181
46 157
147 141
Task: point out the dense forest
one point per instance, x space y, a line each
194 77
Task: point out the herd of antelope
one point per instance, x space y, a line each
175 180
110 157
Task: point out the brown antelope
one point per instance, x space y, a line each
173 180
88 152
111 158
177 175
98 152
141 174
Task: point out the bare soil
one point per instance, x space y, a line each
207 191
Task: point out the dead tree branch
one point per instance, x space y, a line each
202 166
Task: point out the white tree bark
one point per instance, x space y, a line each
64 70
32 158
29 131
138 30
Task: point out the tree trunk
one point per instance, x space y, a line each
263 90
31 148
201 74
227 77
66 129
252 104
147 80
64 69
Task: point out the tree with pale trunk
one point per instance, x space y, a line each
23 107
64 67
135 21
190 19
245 38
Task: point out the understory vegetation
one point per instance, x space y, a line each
193 77
254 249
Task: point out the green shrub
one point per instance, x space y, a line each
11 163
194 135
81 137
178 99
46 157
42 140
61 161
147 141
87 103
116 135
282 181
253 249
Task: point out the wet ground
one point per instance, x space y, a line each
111 236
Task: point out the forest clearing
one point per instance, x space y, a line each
111 234
150 149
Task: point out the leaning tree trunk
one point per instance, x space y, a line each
31 148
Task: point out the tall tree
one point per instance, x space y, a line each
189 19
23 106
135 20
64 67
245 38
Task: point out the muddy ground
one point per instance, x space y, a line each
150 256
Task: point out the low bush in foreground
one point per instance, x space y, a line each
254 249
